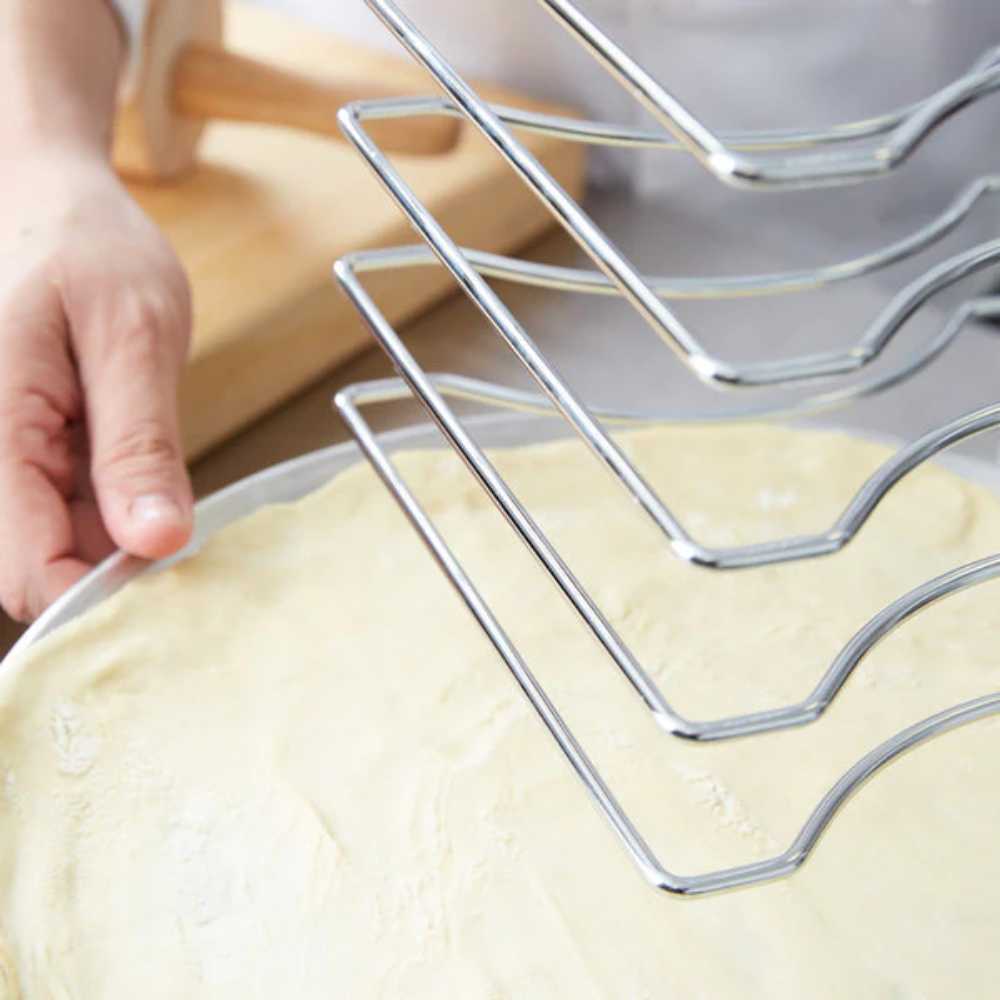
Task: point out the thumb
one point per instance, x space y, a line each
130 369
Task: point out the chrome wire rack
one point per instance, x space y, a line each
841 154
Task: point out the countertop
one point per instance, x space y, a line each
611 358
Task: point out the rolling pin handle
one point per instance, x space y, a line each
210 82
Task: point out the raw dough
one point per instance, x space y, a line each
292 767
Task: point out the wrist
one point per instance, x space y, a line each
44 161
59 68
51 183
31 153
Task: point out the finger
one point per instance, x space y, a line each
93 543
36 532
37 538
38 396
129 352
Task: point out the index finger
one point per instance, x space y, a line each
36 538
38 394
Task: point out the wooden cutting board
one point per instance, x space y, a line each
260 222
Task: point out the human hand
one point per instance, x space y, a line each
94 326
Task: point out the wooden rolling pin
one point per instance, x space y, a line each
185 77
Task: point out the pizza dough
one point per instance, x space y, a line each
293 767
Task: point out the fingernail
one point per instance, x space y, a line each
155 507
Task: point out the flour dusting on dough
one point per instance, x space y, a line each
768 499
76 746
730 813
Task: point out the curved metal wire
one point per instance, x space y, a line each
841 533
598 133
592 433
572 279
869 347
647 295
905 130
490 393
655 872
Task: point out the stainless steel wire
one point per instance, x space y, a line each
726 156
570 279
883 328
648 295
905 130
610 134
556 388
789 860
